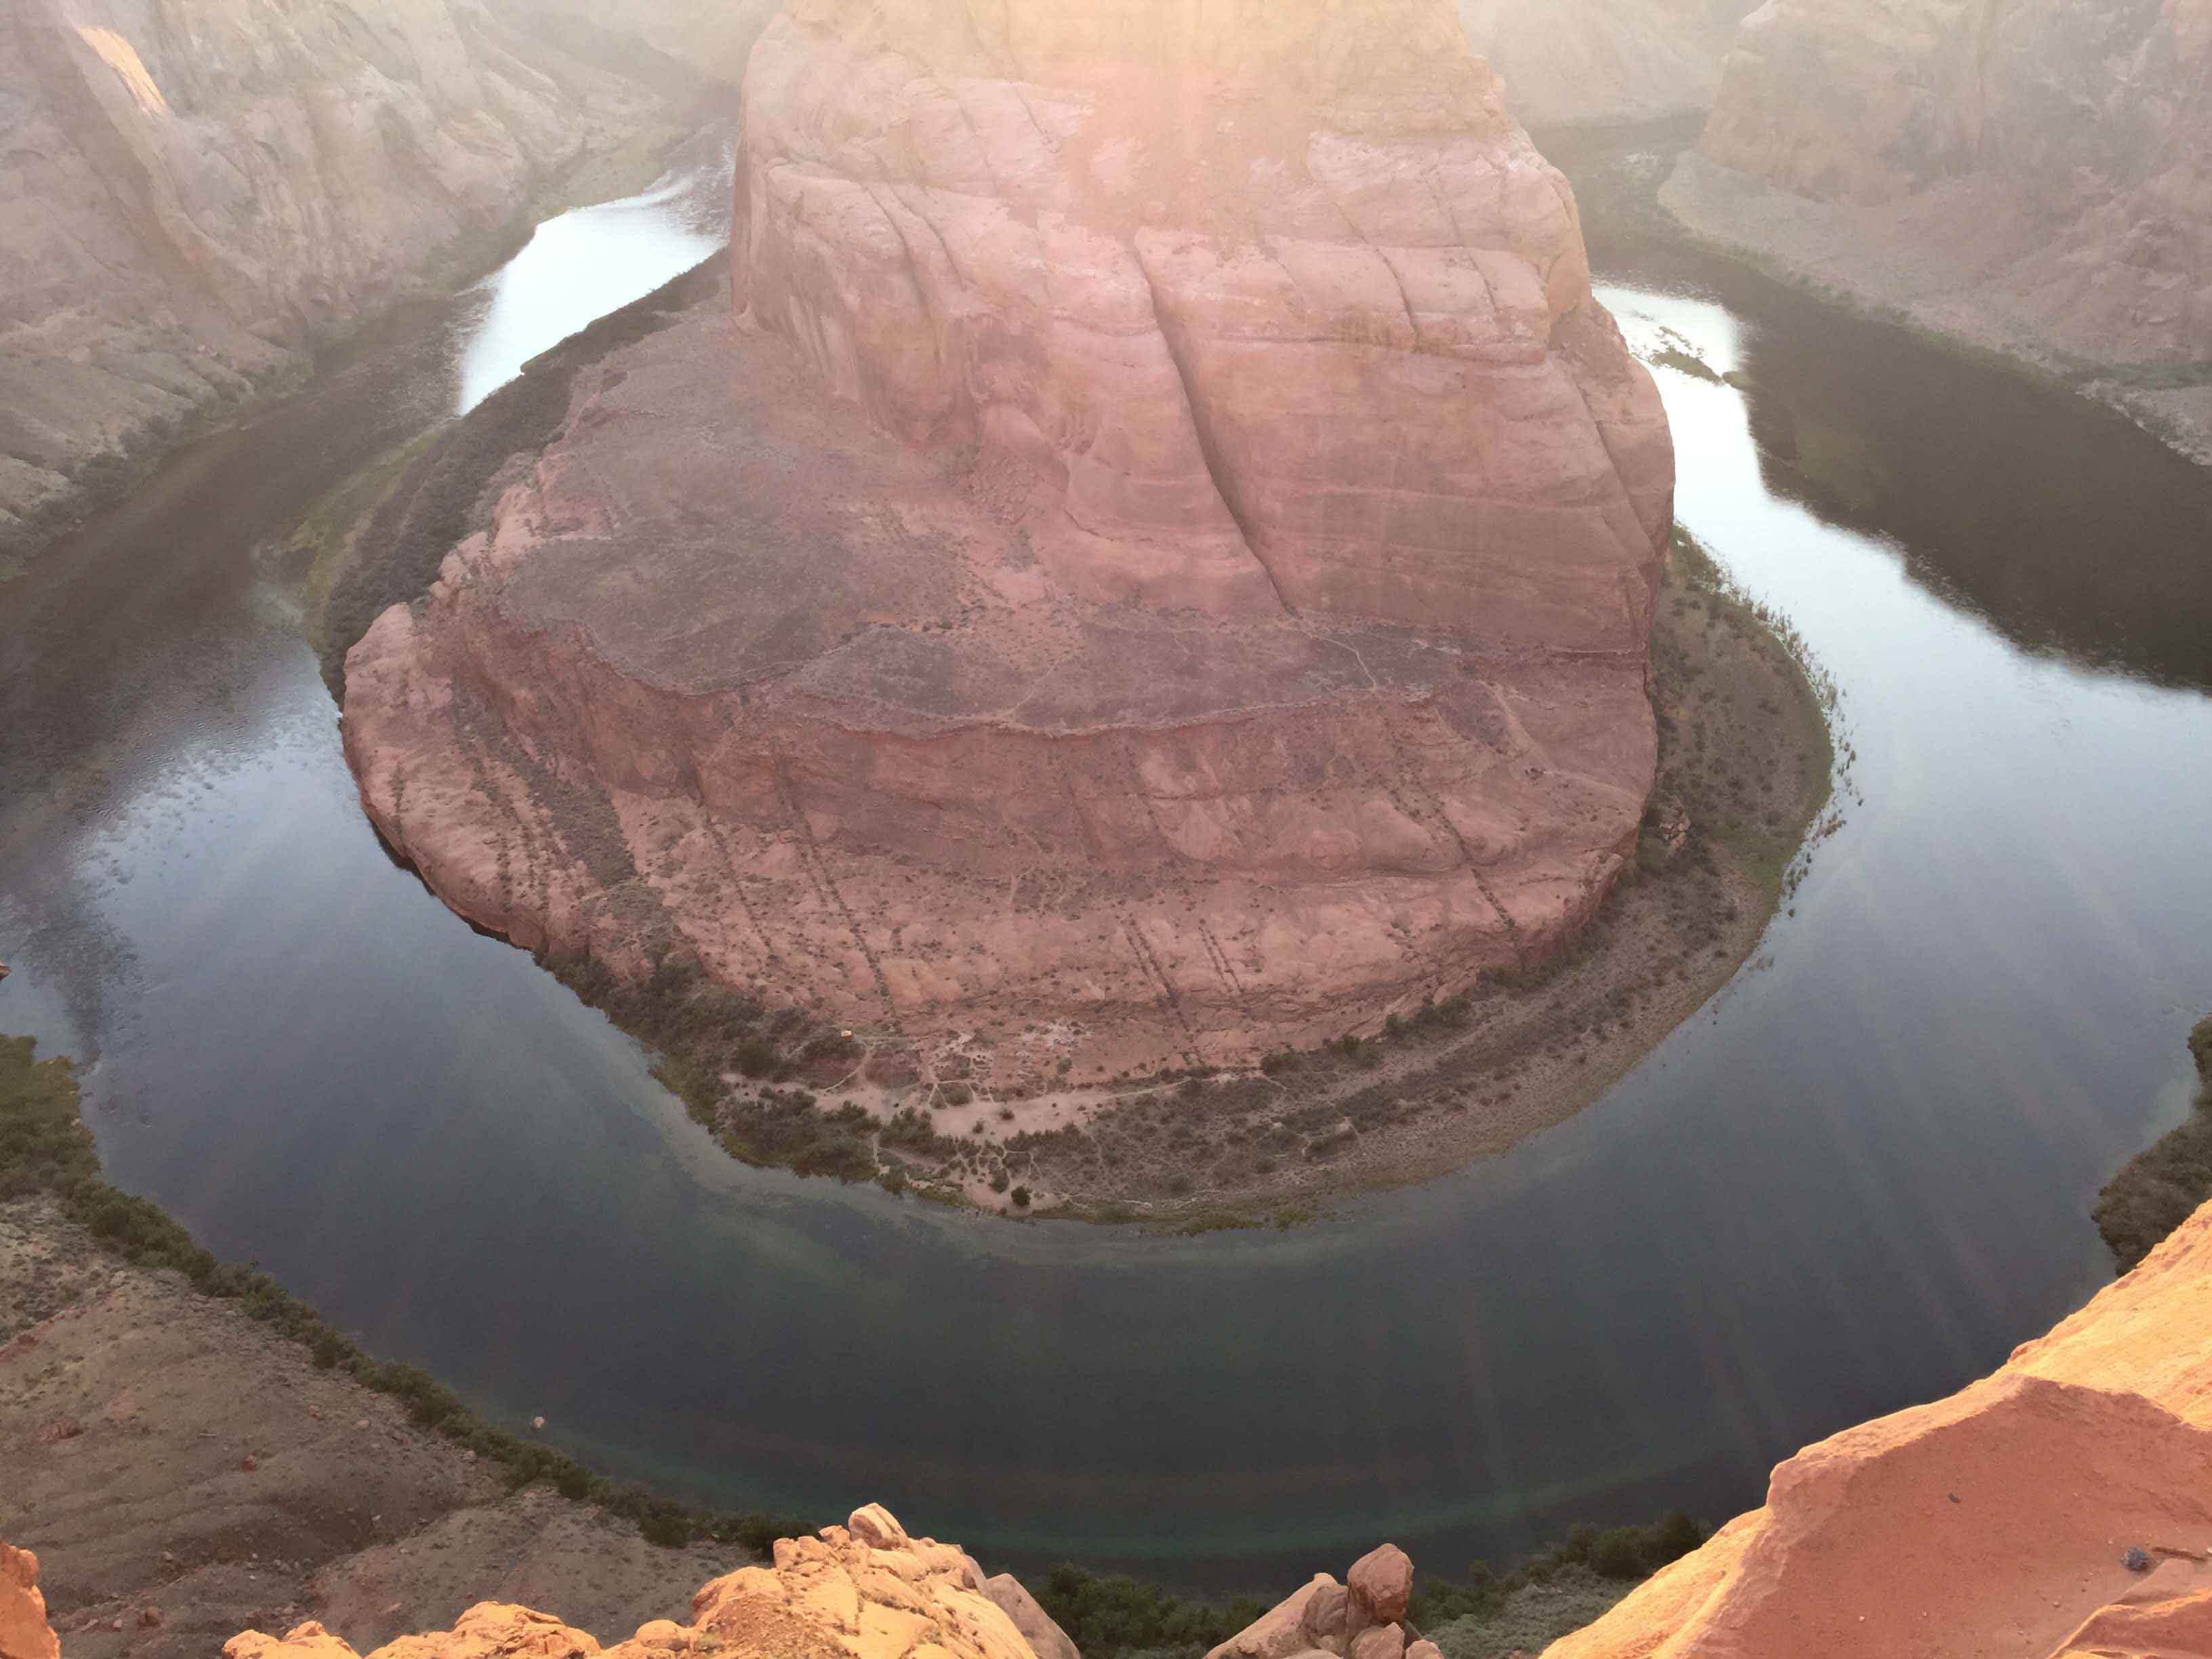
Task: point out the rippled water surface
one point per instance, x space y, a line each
1853 1182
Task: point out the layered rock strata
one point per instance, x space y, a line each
2036 176
2061 1506
1585 62
1166 547
865 1590
192 191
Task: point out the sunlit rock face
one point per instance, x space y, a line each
1576 61
2053 156
2061 1507
1161 547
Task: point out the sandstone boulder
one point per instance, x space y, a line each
866 1590
1359 1619
2010 1507
1165 551
1382 1581
24 1632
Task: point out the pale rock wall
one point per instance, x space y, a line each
1571 63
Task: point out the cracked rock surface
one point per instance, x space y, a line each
1165 540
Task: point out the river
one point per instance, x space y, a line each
1852 1182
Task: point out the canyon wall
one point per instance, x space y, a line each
1585 62
2061 1506
1163 554
191 191
2035 176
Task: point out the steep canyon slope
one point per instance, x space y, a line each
190 192
1158 566
1583 62
2034 175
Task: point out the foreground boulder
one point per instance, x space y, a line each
24 1632
1359 1619
1164 554
2061 1506
865 1590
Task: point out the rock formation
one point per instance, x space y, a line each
1576 61
865 1590
191 190
1166 547
2061 1506
1359 1619
2036 175
24 1632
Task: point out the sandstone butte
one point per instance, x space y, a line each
2036 173
1161 545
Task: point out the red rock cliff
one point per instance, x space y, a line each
1166 545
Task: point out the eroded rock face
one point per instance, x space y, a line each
2008 1507
24 1632
191 187
865 1590
2055 156
1572 62
1165 552
1283 303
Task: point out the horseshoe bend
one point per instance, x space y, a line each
1153 565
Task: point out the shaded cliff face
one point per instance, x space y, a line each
189 190
1572 62
2005 1513
1163 555
2058 152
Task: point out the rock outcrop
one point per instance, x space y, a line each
1361 1618
2061 1506
1585 62
865 1590
1166 547
191 191
2036 175
24 1632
